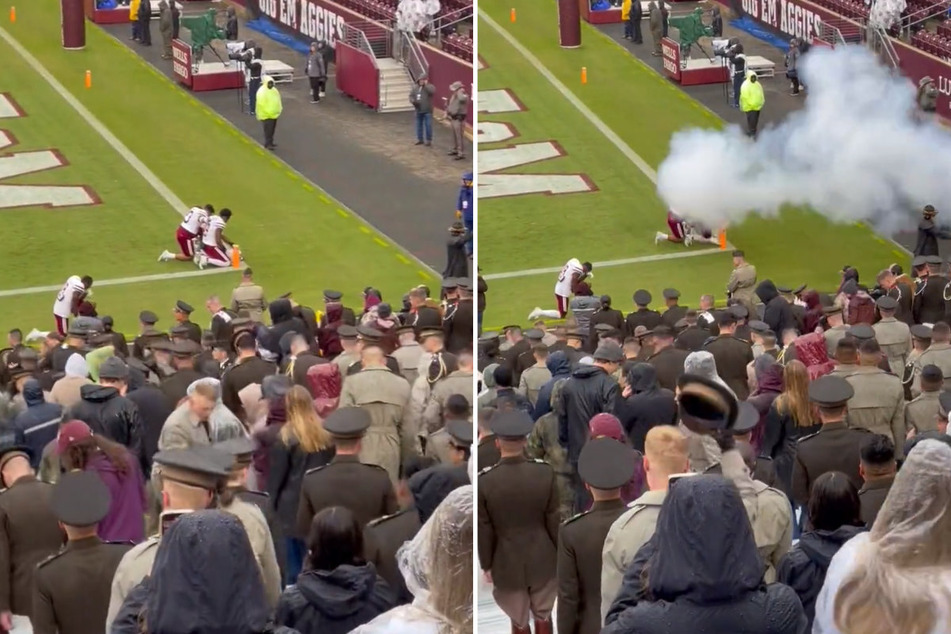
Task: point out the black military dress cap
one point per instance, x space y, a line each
347 331
921 331
208 337
934 259
77 329
426 333
931 372
185 349
148 317
332 296
163 345
534 334
784 289
574 333
182 307
80 499
603 328
450 282
740 311
799 289
671 293
830 391
919 260
642 297
192 467
464 284
240 448
706 405
662 330
758 326
610 352
606 464
488 337
460 431
512 425
113 368
348 423
180 330
862 332
832 310
747 417
405 328
107 320
887 303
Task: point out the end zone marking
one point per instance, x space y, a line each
33 290
161 188
610 263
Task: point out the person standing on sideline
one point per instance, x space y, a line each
134 19
165 28
145 17
752 100
268 110
626 19
657 31
792 70
664 14
456 111
422 99
635 17
316 72
249 297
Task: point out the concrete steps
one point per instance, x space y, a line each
395 86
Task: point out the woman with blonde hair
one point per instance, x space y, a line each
301 445
897 577
790 417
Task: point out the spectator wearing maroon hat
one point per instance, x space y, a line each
79 449
608 426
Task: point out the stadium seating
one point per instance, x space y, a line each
937 43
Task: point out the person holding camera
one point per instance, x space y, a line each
422 99
456 111
252 73
737 59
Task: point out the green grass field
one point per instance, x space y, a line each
294 236
618 220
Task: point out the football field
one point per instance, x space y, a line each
94 181
597 145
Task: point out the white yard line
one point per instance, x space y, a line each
603 265
16 292
563 90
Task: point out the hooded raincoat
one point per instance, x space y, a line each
648 405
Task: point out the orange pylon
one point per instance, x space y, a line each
584 74
722 239
235 257
13 14
512 14
88 79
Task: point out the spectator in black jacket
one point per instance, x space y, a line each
834 518
339 591
302 444
107 411
644 404
282 321
39 422
154 410
590 390
777 314
560 368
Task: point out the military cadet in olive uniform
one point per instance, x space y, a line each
543 444
835 447
365 489
190 481
457 323
732 355
837 330
929 305
667 359
864 332
675 312
920 341
451 443
488 350
29 532
520 345
71 590
938 353
921 413
518 528
182 313
372 337
878 403
409 355
336 297
351 353
892 335
487 451
148 334
605 465
642 315
175 387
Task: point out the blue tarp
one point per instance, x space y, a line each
268 28
757 30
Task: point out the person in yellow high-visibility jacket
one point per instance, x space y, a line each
626 18
268 108
752 100
134 19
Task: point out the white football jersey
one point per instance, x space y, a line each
195 221
210 236
568 271
63 306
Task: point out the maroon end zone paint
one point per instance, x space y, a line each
569 23
73 22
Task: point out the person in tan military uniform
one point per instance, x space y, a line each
351 349
457 382
452 444
534 377
732 355
29 531
742 283
893 336
665 453
837 329
846 357
189 481
384 396
835 447
71 588
365 489
878 403
605 465
938 353
518 528
249 297
409 354
878 468
920 340
543 444
921 413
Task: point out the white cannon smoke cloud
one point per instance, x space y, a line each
856 152
414 15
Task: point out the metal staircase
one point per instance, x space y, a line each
395 80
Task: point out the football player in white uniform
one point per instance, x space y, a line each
572 273
68 299
188 234
215 247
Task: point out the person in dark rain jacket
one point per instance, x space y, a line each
39 422
560 368
645 403
778 314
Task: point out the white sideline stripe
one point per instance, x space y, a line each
161 277
602 127
603 265
97 125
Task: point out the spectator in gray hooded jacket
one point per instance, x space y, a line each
422 99
317 71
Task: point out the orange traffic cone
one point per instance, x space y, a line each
512 14
88 79
584 74
723 239
235 257
13 14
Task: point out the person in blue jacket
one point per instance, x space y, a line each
464 208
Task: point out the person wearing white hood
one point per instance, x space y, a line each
65 391
703 451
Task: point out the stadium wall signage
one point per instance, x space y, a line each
14 164
801 18
309 20
182 61
492 184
